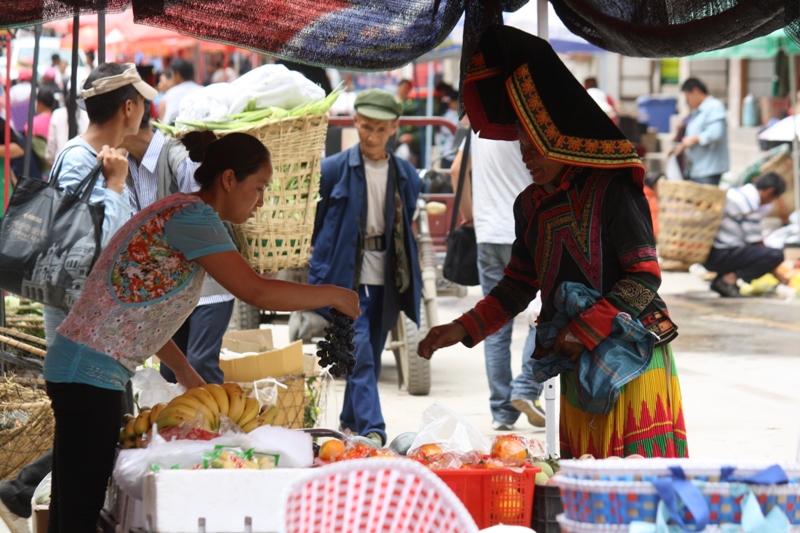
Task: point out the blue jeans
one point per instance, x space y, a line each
503 386
361 408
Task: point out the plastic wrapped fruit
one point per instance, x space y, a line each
512 450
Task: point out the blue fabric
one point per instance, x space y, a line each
69 362
710 156
492 260
361 408
602 372
340 220
196 230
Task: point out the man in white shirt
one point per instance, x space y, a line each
182 74
157 168
739 251
498 177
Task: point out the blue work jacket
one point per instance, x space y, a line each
340 225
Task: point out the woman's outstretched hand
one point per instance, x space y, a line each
346 301
441 337
189 378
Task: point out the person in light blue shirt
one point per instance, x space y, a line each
114 96
706 140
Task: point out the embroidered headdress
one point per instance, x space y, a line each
515 76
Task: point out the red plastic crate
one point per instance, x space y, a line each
494 496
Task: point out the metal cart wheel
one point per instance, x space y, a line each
414 371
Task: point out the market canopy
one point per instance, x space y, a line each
761 48
387 34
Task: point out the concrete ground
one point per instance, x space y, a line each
738 361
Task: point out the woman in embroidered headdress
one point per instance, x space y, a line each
584 220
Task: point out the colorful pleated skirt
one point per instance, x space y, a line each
646 420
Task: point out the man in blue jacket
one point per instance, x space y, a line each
362 240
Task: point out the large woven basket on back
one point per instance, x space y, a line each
279 237
689 215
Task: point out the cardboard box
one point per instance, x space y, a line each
41 514
266 361
174 500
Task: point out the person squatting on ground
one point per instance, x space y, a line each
739 250
145 284
498 176
363 240
584 220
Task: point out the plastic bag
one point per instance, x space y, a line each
266 391
450 431
209 104
41 496
154 388
674 171
273 86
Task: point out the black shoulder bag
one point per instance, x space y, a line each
461 259
50 239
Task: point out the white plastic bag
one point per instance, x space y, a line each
41 496
209 104
273 86
154 388
450 431
294 448
673 171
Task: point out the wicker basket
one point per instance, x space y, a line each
688 219
33 435
279 237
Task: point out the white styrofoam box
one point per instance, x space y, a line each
174 500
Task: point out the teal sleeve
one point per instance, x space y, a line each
197 230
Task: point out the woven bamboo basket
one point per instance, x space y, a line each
689 216
32 434
279 236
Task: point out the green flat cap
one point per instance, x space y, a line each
378 104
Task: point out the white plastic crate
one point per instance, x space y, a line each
175 501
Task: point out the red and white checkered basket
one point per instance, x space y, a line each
374 496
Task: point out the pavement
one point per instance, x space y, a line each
738 361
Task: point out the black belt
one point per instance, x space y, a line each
375 244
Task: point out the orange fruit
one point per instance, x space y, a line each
357 451
383 453
510 449
427 453
508 505
331 449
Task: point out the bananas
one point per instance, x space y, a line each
208 400
198 407
236 400
250 411
220 396
264 419
195 405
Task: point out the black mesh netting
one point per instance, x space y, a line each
386 34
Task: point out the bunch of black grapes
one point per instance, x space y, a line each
336 350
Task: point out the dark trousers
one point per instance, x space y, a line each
707 180
200 338
361 408
17 493
747 262
87 430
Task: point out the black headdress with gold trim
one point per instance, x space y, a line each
516 76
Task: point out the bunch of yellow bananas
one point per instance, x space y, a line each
210 402
136 427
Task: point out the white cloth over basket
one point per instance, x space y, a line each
374 495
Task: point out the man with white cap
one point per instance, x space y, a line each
113 96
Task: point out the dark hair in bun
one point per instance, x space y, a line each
242 153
